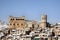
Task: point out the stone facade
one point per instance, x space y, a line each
43 23
21 22
17 22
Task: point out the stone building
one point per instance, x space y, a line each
17 22
22 23
43 23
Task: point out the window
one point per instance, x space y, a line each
22 24
43 35
11 19
13 24
19 19
56 27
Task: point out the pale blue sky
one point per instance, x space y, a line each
32 9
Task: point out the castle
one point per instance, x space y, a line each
21 22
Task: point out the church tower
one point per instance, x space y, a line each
43 23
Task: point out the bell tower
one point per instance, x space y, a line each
43 21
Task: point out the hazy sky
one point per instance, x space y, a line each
32 9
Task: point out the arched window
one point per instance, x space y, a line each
12 19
